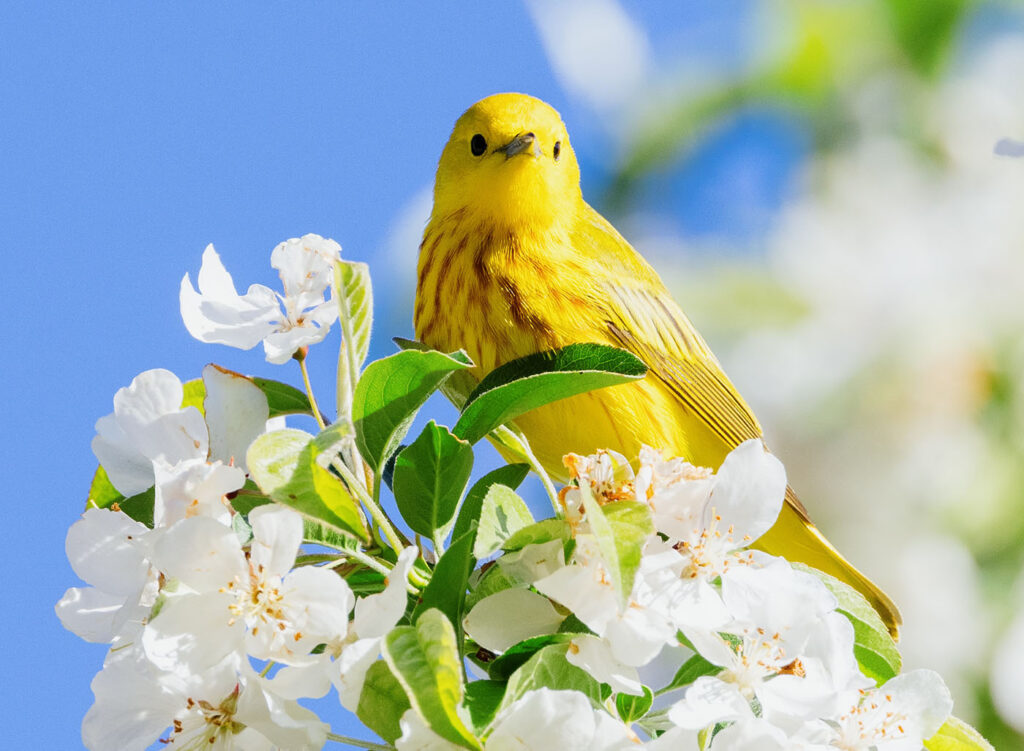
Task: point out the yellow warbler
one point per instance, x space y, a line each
514 262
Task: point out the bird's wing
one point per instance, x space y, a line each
650 325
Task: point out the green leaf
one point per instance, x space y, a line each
957 735
286 464
549 668
538 533
621 529
511 475
482 700
425 660
491 581
249 497
446 590
382 702
389 394
140 507
533 381
690 671
632 708
354 294
503 512
502 668
430 475
282 398
457 387
876 652
102 492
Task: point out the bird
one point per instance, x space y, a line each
515 262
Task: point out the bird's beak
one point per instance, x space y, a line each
524 143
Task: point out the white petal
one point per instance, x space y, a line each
709 700
352 665
490 625
752 735
377 614
90 613
749 490
417 735
317 603
562 720
284 722
128 470
218 314
277 535
131 708
236 412
193 632
595 656
312 680
534 561
281 345
203 553
108 549
193 488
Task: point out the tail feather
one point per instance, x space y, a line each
795 538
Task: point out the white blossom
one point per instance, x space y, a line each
284 323
226 706
148 424
109 551
234 603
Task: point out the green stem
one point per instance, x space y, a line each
438 543
507 435
266 669
368 745
371 504
301 357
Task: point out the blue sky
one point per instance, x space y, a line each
134 134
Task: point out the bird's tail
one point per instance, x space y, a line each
795 538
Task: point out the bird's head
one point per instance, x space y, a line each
509 163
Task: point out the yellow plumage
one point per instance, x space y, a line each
514 262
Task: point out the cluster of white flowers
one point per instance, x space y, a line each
781 671
218 628
189 604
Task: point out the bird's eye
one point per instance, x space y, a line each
478 145
558 149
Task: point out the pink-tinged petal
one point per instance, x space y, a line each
748 491
277 535
202 553
236 412
108 550
490 625
377 614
